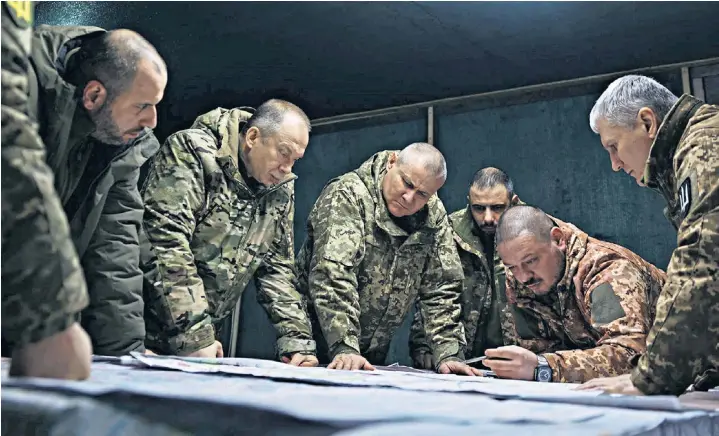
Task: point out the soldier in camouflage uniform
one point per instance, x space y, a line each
671 145
43 288
582 304
377 239
219 206
484 311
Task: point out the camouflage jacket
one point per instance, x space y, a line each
97 185
43 288
484 304
208 233
683 165
363 273
597 317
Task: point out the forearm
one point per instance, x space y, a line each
418 343
682 342
278 295
334 295
174 193
441 312
578 366
177 307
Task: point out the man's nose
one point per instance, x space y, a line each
617 163
150 120
286 168
522 275
488 217
408 196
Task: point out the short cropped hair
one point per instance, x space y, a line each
520 220
268 117
427 155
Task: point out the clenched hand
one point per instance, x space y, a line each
214 350
64 355
423 360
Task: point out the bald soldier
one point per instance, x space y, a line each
484 313
671 145
219 210
378 238
95 95
43 288
582 307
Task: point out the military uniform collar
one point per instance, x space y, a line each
466 233
82 124
670 132
230 156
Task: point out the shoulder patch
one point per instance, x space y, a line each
685 196
21 13
605 305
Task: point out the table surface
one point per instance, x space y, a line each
247 396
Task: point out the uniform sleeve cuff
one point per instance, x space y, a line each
645 385
446 351
553 362
343 348
20 337
419 352
289 346
194 340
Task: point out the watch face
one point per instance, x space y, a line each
544 374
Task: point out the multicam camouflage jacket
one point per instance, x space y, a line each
484 304
362 272
683 165
596 318
208 233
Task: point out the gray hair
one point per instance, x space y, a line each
520 220
427 155
621 101
269 116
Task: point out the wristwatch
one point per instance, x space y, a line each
543 372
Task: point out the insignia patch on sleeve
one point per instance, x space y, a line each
606 305
21 13
685 196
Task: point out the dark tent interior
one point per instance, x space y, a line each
535 69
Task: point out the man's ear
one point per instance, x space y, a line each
514 201
649 121
251 137
392 160
558 237
94 95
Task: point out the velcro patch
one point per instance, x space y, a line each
606 305
685 196
21 13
